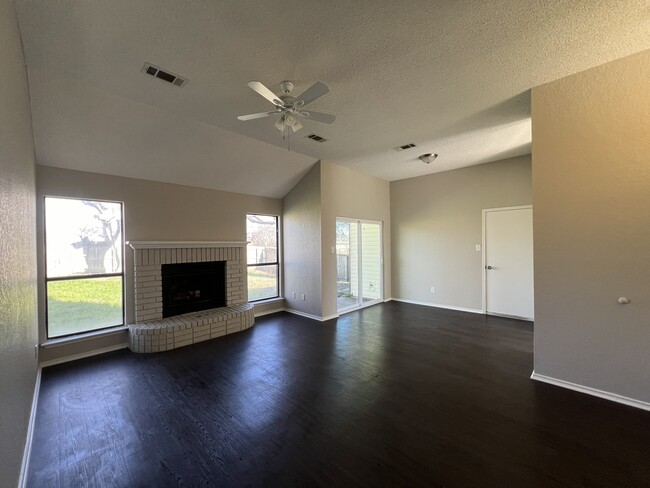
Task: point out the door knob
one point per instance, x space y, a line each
488 267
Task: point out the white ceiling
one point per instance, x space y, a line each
451 76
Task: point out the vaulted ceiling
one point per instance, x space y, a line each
450 76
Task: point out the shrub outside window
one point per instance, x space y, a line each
262 234
84 275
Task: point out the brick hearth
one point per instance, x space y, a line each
152 333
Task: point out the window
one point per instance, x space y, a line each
84 274
263 266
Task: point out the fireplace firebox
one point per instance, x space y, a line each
191 287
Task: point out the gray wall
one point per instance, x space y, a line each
348 193
591 185
436 223
18 319
152 211
302 244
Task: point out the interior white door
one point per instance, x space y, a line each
508 270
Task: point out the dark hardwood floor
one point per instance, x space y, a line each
393 395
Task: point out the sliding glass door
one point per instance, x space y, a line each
358 263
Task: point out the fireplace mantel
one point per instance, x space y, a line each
183 244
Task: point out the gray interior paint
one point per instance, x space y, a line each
348 193
18 320
302 244
437 222
459 89
591 189
152 211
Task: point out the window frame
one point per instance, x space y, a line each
277 258
47 279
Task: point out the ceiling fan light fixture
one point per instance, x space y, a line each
290 119
428 158
289 107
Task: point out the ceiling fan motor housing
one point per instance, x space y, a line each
286 87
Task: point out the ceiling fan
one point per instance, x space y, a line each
290 108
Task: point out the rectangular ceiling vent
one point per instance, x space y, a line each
316 138
161 74
404 147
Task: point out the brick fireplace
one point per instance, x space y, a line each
153 333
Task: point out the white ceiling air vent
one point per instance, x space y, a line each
316 138
404 147
162 74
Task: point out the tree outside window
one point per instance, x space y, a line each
84 265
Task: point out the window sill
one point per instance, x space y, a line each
83 337
268 300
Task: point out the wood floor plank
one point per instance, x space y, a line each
393 395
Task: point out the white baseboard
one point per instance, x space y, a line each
506 316
630 402
438 305
329 317
310 316
388 299
22 480
82 355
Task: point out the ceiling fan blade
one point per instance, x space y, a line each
256 116
321 117
266 93
317 90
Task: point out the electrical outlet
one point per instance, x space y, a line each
302 297
293 294
478 247
433 289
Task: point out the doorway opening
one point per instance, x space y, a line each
359 264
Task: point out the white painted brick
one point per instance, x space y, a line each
149 267
185 342
152 294
149 316
183 334
141 290
148 272
142 278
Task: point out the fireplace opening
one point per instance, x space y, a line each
191 287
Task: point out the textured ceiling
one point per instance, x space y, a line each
450 76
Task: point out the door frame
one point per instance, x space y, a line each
484 213
381 265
